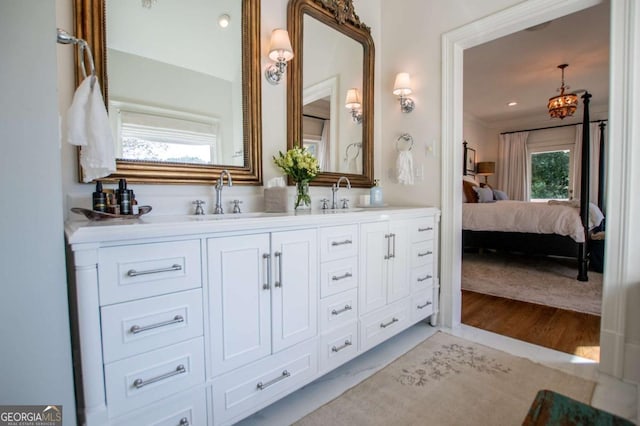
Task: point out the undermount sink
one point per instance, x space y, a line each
227 216
329 211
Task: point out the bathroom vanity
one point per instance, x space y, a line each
203 320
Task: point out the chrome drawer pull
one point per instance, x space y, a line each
267 285
426 277
336 349
341 243
138 383
184 422
427 253
388 255
342 277
345 309
428 228
423 306
278 282
394 320
135 329
263 386
134 273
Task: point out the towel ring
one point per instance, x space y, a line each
406 137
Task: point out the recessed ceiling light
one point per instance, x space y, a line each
224 20
512 103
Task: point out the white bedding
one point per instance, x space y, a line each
522 216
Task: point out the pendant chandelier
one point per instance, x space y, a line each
563 105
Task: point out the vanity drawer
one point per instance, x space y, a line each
421 305
421 229
187 409
422 277
338 276
339 346
338 310
143 270
250 388
378 326
338 242
135 327
137 381
422 253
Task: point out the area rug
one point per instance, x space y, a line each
542 280
446 380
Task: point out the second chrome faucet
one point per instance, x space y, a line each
334 190
219 184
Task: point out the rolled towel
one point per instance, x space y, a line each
404 165
88 127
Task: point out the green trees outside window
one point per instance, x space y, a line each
550 175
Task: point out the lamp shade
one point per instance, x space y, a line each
280 46
402 85
486 168
353 99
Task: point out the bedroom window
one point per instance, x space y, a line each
550 173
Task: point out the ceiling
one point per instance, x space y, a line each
522 67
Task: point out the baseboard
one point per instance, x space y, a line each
632 363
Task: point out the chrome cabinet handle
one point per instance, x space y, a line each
394 320
278 282
426 277
184 422
266 285
427 253
394 245
428 228
134 273
337 349
341 243
423 306
340 311
284 375
388 255
135 329
138 383
342 277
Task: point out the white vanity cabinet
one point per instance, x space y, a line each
187 320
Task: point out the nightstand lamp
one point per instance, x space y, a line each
486 168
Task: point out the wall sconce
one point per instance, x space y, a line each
402 88
354 104
281 52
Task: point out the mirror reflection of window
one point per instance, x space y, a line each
316 125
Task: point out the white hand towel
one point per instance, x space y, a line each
88 127
404 165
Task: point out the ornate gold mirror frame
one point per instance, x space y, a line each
90 24
339 15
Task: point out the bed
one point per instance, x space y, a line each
553 228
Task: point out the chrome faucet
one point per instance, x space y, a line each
219 184
334 189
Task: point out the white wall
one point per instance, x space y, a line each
485 141
34 321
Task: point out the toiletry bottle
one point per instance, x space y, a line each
134 203
99 199
376 193
124 197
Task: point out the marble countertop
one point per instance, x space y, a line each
154 226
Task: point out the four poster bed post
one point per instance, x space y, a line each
583 254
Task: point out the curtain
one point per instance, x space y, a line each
594 159
513 173
324 148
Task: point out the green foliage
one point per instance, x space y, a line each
298 163
550 175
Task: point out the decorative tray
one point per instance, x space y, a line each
96 215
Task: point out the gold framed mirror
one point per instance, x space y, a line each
243 157
334 54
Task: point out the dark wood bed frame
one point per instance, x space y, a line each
551 244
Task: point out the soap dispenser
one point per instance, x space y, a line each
99 199
376 193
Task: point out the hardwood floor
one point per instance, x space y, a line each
566 331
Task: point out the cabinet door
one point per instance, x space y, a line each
295 287
375 246
399 285
240 300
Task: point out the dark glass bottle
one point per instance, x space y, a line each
99 199
124 197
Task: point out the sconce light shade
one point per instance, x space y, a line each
402 85
280 51
402 88
353 102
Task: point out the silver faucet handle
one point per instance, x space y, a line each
325 204
199 210
345 203
236 206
